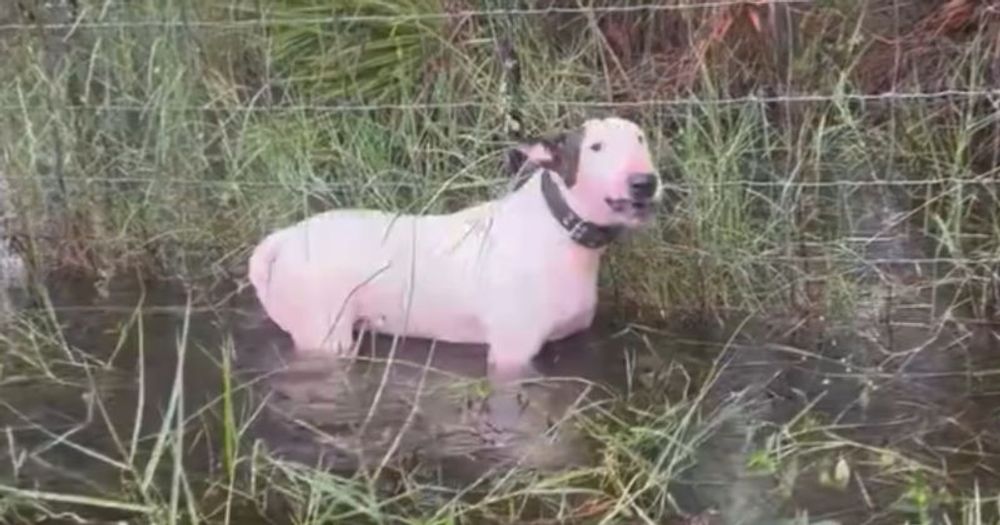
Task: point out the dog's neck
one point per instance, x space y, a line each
581 231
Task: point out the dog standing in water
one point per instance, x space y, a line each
512 273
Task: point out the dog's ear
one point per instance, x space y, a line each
538 152
565 149
526 157
559 153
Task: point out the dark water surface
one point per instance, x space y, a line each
899 378
792 403
70 414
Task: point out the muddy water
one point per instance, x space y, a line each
414 398
904 373
910 371
71 420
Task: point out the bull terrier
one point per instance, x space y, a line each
512 273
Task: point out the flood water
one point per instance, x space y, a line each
401 399
909 376
906 382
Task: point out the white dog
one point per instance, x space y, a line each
512 273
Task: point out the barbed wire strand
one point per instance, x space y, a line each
770 258
210 307
840 253
838 243
262 21
859 262
889 96
981 181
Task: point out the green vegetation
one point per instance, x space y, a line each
165 138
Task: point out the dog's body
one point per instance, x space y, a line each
505 272
486 273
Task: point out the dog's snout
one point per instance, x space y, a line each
642 186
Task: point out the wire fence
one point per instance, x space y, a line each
892 97
112 17
263 19
983 181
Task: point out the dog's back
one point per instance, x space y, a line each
375 257
293 263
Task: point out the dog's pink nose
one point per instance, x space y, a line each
642 186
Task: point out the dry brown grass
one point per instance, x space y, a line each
788 47
923 54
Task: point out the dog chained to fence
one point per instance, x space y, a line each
513 273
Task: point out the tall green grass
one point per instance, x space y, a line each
174 148
178 146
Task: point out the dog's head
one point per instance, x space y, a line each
606 169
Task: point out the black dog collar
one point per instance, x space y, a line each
585 233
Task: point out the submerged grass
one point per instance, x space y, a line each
645 441
153 478
173 147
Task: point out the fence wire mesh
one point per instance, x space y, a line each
211 114
806 330
256 20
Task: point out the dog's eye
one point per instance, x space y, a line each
596 146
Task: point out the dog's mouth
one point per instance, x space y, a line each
638 209
642 209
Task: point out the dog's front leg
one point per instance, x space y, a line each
509 361
510 354
516 327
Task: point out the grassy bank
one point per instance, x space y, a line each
168 137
